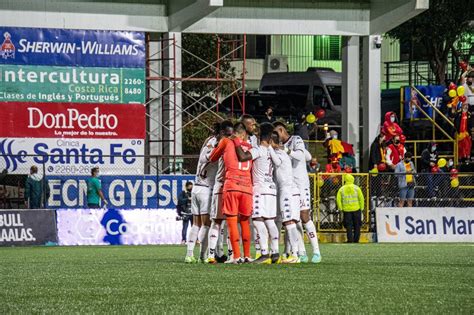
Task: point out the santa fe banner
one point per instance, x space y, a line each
116 227
61 120
72 156
425 225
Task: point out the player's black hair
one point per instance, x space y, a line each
226 124
275 137
216 128
266 130
239 127
279 124
246 116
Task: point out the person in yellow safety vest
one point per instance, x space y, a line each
351 201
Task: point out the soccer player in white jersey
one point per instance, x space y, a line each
288 198
215 234
295 148
264 194
201 196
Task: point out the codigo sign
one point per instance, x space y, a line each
27 227
116 227
88 48
72 156
425 224
59 120
124 192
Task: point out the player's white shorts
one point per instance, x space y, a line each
264 202
201 200
289 204
305 198
217 202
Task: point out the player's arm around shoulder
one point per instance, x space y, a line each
243 156
218 151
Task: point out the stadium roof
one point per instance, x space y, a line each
335 17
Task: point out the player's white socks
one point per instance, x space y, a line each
220 240
202 237
313 237
274 235
193 235
212 239
256 240
263 236
301 247
293 238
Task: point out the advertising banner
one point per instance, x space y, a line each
71 85
121 192
88 48
27 227
70 120
425 225
117 227
434 93
72 156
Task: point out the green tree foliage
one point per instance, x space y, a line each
438 29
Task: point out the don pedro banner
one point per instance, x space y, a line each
68 84
116 227
70 120
434 93
72 156
88 48
27 227
124 192
425 224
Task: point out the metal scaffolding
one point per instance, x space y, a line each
166 116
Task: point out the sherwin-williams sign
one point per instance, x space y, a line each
64 120
73 85
86 48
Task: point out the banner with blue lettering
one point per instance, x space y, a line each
434 93
121 192
58 47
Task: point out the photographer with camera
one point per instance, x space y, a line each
184 210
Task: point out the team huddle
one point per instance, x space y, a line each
244 180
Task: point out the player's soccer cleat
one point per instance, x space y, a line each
276 259
316 258
248 260
237 261
263 260
291 260
257 256
211 260
190 260
221 259
303 259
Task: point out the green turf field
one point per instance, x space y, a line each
370 278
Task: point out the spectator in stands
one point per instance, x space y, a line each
464 128
429 158
377 152
406 180
347 163
302 128
395 153
269 118
466 80
313 166
94 190
350 200
333 144
36 191
184 210
390 126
